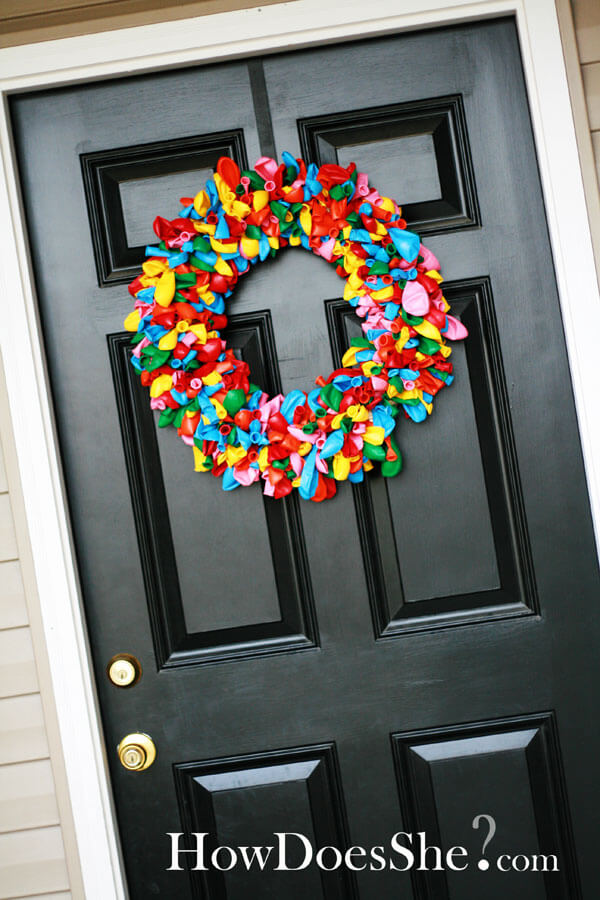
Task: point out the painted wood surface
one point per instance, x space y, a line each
244 610
13 614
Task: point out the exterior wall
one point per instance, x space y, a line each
32 850
35 823
587 26
25 21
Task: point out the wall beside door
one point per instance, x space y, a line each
33 860
37 851
586 14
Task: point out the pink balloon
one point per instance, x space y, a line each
362 184
456 331
326 249
266 167
296 462
430 260
245 477
415 299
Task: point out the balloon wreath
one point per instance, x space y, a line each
338 430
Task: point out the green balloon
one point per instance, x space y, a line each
331 396
391 467
374 452
234 400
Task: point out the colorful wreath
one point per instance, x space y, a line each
341 428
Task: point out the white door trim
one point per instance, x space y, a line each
219 37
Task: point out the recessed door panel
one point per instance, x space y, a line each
250 801
418 151
471 430
253 594
128 187
509 769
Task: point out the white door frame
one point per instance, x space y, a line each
209 38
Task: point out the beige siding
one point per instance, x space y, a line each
596 145
3 481
27 798
17 665
32 862
8 541
32 854
586 14
591 83
26 21
13 612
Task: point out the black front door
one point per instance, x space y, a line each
404 657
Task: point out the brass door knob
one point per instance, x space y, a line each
137 752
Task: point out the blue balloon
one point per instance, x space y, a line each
407 243
310 476
291 402
382 419
222 229
229 482
418 413
356 477
333 444
290 160
313 401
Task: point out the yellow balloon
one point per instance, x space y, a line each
222 267
234 455
341 466
374 434
200 331
349 357
305 220
168 341
433 273
223 246
154 267
200 460
428 330
249 247
165 289
263 459
260 200
160 385
383 294
132 321
201 203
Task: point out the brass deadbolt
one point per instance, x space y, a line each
137 752
124 670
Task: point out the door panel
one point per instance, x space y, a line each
511 766
124 187
249 799
414 652
195 620
473 431
419 150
